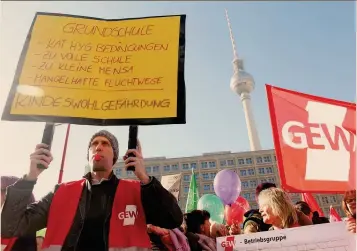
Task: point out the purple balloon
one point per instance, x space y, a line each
227 186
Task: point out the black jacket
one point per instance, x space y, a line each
193 242
27 243
19 219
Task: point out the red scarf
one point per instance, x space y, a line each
127 223
7 244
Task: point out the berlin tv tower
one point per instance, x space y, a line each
243 84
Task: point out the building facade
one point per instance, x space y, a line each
253 168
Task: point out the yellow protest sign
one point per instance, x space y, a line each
83 70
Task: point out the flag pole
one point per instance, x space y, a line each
60 176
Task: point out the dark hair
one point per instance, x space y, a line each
316 219
263 186
303 207
195 219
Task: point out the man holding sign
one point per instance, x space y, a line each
98 212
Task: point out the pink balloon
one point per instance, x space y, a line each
235 212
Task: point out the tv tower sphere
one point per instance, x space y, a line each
241 81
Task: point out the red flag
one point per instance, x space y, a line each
350 122
314 140
314 206
334 216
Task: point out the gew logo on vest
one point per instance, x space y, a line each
129 215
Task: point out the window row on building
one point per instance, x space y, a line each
153 169
206 188
322 199
248 196
255 182
247 184
206 176
186 178
210 164
222 163
328 199
259 170
131 175
226 163
248 161
241 173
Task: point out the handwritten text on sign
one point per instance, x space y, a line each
87 68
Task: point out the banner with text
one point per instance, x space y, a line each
84 70
172 183
314 140
328 236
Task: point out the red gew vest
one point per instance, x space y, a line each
127 223
7 244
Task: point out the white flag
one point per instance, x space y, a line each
172 183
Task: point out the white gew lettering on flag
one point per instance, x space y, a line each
328 163
328 145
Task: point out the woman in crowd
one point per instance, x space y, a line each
277 210
171 240
349 207
303 207
198 231
26 243
253 221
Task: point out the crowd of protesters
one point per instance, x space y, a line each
276 211
101 212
